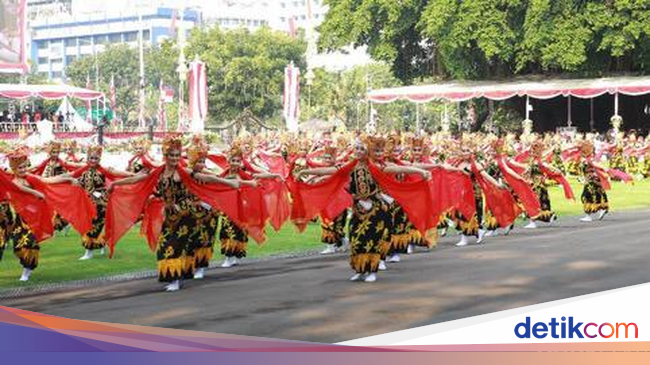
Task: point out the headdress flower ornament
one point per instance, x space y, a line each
196 152
53 146
173 143
586 148
235 151
70 144
17 158
95 150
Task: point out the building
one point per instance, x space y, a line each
231 14
57 42
37 9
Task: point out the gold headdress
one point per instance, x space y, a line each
393 141
70 145
53 147
172 143
537 148
196 152
236 151
586 148
94 150
17 158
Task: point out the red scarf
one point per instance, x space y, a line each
499 200
523 190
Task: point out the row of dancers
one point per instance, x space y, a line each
380 196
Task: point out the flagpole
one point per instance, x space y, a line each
141 52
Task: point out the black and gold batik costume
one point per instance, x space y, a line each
233 239
204 235
94 182
15 230
332 233
175 249
594 197
370 222
537 178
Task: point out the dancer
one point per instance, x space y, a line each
94 179
370 222
594 197
175 250
233 238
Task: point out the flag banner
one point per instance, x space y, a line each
12 36
291 96
198 96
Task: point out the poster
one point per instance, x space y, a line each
12 36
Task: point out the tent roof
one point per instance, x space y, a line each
541 89
17 91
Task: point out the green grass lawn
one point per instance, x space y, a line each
59 255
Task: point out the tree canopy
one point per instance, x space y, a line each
494 38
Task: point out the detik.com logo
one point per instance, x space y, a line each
573 329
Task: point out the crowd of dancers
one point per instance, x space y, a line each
378 196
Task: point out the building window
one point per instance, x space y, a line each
57 74
43 60
43 45
101 39
283 19
131 37
71 42
70 59
283 5
86 41
146 35
115 38
303 17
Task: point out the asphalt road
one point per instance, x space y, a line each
311 299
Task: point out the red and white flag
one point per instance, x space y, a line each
293 29
89 104
198 96
162 114
113 94
291 97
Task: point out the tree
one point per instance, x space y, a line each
245 70
494 38
122 63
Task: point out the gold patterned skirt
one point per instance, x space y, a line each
175 250
546 213
594 198
332 233
14 229
207 222
233 239
369 235
94 239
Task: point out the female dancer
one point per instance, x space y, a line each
594 197
233 238
370 222
175 251
26 246
94 179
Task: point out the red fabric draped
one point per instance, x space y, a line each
620 175
70 201
276 164
461 193
559 178
571 154
152 222
219 160
38 170
36 213
499 200
523 190
125 204
276 198
72 157
414 197
516 168
522 157
309 200
146 161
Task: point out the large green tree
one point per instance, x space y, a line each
494 38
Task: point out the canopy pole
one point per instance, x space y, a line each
568 121
527 107
591 114
417 118
616 103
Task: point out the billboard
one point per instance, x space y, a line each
12 36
